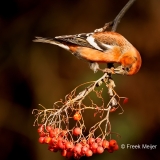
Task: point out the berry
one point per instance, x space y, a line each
79 144
113 109
48 128
77 149
41 129
94 146
52 133
98 140
47 139
64 153
69 145
116 147
77 131
94 151
105 144
61 144
42 134
91 140
100 150
112 143
89 153
69 154
83 150
125 100
77 116
54 141
41 139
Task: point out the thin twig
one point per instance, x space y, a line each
116 21
121 14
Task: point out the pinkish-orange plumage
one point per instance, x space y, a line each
100 47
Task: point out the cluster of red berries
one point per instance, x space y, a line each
57 141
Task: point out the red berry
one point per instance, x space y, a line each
42 134
41 139
69 145
125 100
83 150
116 147
100 150
54 140
64 153
79 144
48 128
113 109
52 148
77 116
77 149
41 129
91 140
105 144
47 139
52 133
112 143
94 146
77 131
60 138
94 151
89 153
69 154
76 155
98 140
61 144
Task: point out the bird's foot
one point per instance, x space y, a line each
108 70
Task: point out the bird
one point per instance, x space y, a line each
100 47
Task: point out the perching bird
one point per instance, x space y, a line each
100 47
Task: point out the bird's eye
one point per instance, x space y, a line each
127 69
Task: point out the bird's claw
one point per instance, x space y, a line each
108 70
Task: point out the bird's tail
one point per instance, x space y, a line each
51 41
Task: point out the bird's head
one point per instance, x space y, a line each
130 63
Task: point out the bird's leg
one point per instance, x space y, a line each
110 69
110 65
107 70
105 27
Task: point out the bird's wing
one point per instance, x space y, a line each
100 41
77 39
51 41
109 40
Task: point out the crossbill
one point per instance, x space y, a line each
100 47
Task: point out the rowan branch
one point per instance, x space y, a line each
121 14
114 24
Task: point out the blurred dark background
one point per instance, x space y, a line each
33 73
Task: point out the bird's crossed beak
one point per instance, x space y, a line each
120 70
